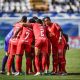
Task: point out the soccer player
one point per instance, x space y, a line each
24 44
48 55
4 61
65 46
41 44
48 58
61 57
13 42
54 34
33 20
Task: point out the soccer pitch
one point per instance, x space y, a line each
73 69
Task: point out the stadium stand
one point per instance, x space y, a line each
38 5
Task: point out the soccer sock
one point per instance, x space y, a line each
55 67
34 66
47 62
43 62
63 64
13 66
37 63
4 61
18 63
60 70
31 67
55 64
40 62
28 64
9 63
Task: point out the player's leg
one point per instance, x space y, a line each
9 64
4 61
60 57
40 61
37 61
47 64
18 63
32 59
48 58
33 55
63 63
44 51
55 59
28 57
35 70
37 52
13 67
43 61
11 57
62 60
19 55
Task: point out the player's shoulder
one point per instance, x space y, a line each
56 24
35 23
16 24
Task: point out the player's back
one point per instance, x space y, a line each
39 30
17 26
27 34
54 29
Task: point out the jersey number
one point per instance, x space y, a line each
42 32
27 35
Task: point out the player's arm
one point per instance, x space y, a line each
60 33
67 39
30 25
17 31
67 43
67 46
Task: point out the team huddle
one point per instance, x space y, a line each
36 39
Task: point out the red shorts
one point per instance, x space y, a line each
23 46
12 46
42 44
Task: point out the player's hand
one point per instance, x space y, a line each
7 54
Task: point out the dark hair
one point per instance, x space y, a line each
39 21
24 18
35 18
46 18
32 20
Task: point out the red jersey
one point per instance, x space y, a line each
27 35
17 26
39 31
54 30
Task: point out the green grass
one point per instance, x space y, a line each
73 66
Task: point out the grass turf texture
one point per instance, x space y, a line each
73 68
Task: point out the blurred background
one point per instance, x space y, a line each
64 12
39 5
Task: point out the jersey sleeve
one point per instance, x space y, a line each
58 27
